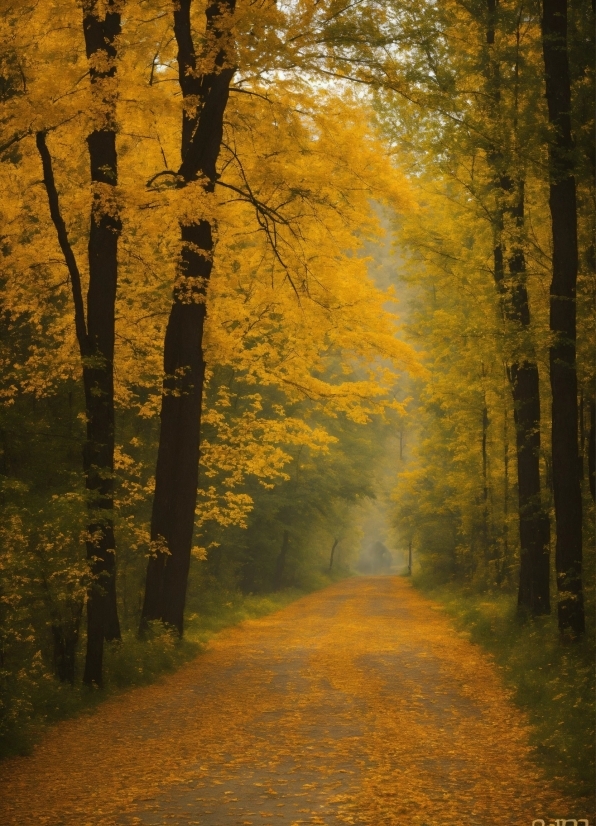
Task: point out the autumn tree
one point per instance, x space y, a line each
95 328
204 80
289 295
482 123
563 370
487 136
454 493
509 273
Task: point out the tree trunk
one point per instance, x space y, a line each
98 372
334 546
592 449
534 525
176 476
502 571
66 637
95 333
582 434
486 532
563 377
98 375
280 563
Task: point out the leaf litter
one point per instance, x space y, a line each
358 704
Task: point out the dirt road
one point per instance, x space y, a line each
358 704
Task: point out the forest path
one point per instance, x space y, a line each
356 704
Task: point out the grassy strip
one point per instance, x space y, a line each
41 701
553 682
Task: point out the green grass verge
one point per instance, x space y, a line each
37 701
552 681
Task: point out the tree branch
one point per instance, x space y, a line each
15 139
67 251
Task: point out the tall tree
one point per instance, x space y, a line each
509 271
534 523
204 79
96 331
205 93
482 93
563 375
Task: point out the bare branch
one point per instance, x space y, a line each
15 139
67 251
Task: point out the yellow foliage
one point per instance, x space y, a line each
290 303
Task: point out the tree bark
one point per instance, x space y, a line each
582 434
592 449
333 547
102 614
65 633
486 532
176 476
563 376
509 275
95 335
505 558
534 525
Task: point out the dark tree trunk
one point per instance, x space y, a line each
178 456
534 525
505 558
280 563
176 476
486 539
592 449
333 547
582 434
95 335
98 373
534 522
563 377
66 637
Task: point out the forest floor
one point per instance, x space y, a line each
357 704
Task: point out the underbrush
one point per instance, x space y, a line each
552 681
32 698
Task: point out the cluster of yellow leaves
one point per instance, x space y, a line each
290 303
257 439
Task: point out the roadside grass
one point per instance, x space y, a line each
552 681
38 700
